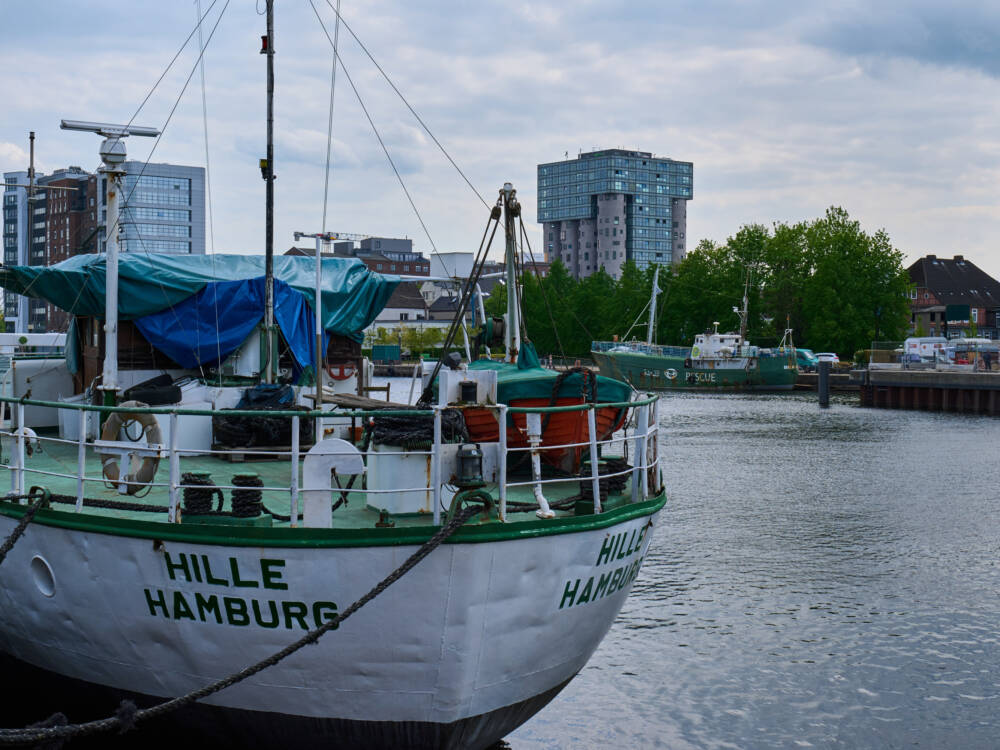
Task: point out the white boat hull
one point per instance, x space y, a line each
478 632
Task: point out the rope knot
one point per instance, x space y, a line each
126 715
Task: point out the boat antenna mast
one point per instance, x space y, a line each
512 331
267 171
746 305
113 157
651 332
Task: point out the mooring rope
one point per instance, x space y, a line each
128 714
42 496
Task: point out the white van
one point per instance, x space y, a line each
923 347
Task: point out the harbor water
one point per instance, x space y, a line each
820 578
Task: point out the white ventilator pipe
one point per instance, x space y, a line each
534 422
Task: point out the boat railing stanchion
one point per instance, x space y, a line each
175 468
81 457
294 483
639 467
595 467
649 435
18 486
502 460
436 466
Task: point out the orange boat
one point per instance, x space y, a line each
528 384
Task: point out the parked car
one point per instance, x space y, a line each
830 357
805 359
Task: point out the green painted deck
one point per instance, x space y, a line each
60 458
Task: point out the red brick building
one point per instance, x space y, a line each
951 296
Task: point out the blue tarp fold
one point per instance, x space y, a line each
209 326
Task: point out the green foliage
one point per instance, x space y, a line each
836 286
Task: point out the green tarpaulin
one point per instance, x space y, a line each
150 282
527 379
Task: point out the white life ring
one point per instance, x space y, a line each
671 374
143 475
695 352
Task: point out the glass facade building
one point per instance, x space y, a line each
608 206
163 211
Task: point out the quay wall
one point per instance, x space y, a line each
932 390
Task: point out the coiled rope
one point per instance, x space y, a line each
247 501
198 498
128 715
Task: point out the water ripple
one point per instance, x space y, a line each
820 579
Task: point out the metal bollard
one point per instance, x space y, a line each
824 385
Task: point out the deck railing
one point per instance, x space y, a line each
641 434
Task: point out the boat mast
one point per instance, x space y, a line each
272 349
743 313
652 307
113 155
512 332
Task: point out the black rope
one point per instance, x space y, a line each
198 498
585 375
41 498
92 502
124 717
248 500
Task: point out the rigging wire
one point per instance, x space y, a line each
371 122
156 143
208 195
541 286
459 319
204 119
143 104
408 106
329 123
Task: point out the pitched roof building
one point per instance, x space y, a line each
952 294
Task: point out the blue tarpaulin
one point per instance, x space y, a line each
153 282
210 325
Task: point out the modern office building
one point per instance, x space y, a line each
163 209
606 207
163 212
16 236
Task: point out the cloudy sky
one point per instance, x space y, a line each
888 109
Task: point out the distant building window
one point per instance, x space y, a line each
404 316
927 295
975 314
406 268
378 266
913 294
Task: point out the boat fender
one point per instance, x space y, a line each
341 371
150 431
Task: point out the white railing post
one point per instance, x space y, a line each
641 428
436 466
19 453
81 457
175 469
294 485
656 442
595 469
502 460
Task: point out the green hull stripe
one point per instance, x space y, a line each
230 536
